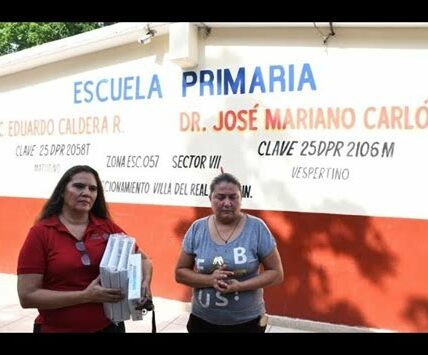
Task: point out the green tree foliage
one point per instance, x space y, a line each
15 36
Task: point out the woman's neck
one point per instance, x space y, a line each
228 221
74 219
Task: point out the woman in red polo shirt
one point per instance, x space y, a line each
58 265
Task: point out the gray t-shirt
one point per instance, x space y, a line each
242 255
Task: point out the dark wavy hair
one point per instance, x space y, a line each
54 205
224 177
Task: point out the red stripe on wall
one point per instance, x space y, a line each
353 270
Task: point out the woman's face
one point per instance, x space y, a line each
226 201
80 193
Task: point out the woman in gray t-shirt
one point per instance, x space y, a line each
220 259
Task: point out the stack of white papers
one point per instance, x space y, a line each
114 270
134 286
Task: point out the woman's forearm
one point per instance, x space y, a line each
193 279
49 299
265 279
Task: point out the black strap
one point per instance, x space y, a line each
153 321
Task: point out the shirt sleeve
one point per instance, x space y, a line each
267 242
32 257
188 240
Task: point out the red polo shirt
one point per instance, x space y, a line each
50 250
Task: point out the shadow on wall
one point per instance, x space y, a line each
306 292
416 313
181 228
